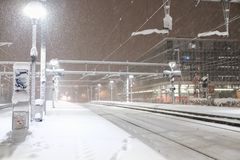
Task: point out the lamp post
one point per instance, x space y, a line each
111 89
131 86
43 60
34 10
54 64
172 73
99 91
172 65
127 89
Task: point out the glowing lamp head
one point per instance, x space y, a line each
111 82
35 10
131 76
172 64
54 62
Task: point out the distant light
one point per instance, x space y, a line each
99 85
111 82
35 10
131 76
186 58
54 62
172 64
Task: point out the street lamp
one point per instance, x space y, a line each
34 10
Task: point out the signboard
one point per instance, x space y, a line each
21 82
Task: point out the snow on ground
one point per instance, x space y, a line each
213 110
70 132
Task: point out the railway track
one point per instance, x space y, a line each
149 123
126 123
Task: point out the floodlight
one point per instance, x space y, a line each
35 10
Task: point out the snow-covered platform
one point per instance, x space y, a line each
70 132
231 112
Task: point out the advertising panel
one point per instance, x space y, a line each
21 82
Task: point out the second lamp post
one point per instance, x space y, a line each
34 10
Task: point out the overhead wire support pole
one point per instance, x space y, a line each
226 12
33 64
43 60
127 86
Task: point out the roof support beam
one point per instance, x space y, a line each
111 63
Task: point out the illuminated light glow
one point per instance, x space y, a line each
54 62
172 64
111 82
131 76
35 10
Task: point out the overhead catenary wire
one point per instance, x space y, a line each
195 38
130 37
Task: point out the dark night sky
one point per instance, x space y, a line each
92 29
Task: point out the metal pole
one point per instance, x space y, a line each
173 95
98 93
33 55
88 94
53 92
91 93
43 61
127 89
56 88
111 92
131 89
1 85
179 82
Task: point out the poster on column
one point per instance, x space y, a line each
21 87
